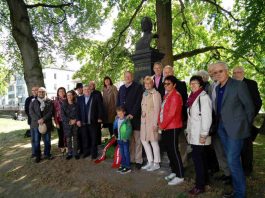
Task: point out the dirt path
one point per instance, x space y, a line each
21 177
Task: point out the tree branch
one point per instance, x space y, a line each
60 6
185 22
126 27
221 8
196 52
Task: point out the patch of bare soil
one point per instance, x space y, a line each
22 177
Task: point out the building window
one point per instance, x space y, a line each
54 75
55 87
11 96
11 88
68 77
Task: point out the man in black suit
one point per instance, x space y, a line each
92 87
247 151
158 78
90 117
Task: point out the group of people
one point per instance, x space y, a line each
217 115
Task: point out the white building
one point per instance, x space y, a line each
53 78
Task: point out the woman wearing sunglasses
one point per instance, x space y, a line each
170 122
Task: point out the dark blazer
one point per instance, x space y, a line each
130 98
182 89
68 112
27 103
254 93
96 108
237 112
160 88
36 114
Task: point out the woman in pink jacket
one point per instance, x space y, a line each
151 103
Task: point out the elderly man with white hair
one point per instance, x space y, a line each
247 151
40 111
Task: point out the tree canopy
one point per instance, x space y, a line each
203 31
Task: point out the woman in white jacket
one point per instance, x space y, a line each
199 122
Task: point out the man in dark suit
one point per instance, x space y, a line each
92 87
130 97
235 112
34 91
247 151
90 117
158 78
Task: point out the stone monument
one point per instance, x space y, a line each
145 56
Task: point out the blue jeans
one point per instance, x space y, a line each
125 153
232 148
32 141
47 142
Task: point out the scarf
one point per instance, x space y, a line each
42 103
193 97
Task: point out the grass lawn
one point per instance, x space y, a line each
20 176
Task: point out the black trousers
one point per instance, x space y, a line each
80 141
200 163
90 139
170 142
61 136
247 155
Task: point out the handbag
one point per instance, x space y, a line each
42 128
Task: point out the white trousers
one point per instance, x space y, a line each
148 150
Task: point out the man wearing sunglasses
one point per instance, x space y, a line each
235 112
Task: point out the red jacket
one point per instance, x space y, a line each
172 112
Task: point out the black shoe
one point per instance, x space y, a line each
37 160
195 191
85 155
138 166
120 169
227 180
69 157
77 157
49 157
126 170
32 156
228 195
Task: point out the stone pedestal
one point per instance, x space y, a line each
144 60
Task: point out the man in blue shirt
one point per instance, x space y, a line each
235 111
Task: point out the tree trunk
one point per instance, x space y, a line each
164 30
22 33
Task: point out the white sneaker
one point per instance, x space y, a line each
176 181
170 176
147 166
154 167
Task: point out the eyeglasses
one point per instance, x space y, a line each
41 91
194 83
218 72
166 84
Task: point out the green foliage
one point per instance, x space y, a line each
67 33
4 76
